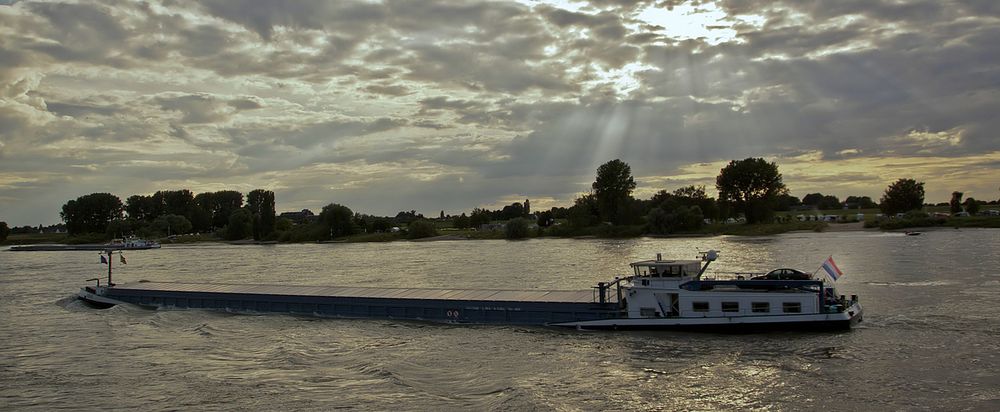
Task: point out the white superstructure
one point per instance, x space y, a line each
676 294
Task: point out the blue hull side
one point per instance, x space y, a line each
456 311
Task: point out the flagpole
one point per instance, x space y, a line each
109 268
821 265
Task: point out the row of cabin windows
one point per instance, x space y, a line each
667 271
755 307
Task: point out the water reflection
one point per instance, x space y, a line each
929 339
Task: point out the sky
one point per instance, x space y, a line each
434 105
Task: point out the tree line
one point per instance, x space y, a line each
750 189
173 212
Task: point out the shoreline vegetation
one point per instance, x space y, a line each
764 229
752 201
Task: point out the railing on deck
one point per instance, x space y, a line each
732 276
603 291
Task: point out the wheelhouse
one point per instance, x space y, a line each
666 268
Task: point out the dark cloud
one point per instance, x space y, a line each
78 110
466 102
195 108
388 90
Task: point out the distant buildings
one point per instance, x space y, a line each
301 217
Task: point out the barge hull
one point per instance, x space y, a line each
738 324
441 305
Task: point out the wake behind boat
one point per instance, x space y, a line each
659 294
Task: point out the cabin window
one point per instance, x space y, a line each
647 312
760 307
791 307
730 306
645 282
699 306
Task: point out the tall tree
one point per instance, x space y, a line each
612 189
829 202
545 219
902 196
461 221
173 202
201 215
240 225
172 225
404 217
225 203
337 219
527 207
752 185
4 231
786 202
692 196
141 208
512 211
863 202
812 199
585 212
421 228
971 206
516 228
260 202
91 213
479 217
661 221
956 202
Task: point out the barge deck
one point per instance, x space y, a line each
452 305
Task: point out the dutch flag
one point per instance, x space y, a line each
832 269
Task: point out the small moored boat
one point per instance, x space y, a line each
132 243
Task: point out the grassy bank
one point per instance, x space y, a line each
34 238
48 238
561 231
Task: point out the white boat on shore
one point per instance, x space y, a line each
114 244
132 243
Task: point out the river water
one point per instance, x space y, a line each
929 339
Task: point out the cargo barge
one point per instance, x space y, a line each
660 294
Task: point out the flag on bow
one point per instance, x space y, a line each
103 260
122 258
832 269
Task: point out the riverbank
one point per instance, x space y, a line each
769 229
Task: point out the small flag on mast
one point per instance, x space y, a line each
122 257
832 269
103 260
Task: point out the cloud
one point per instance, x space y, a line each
456 104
